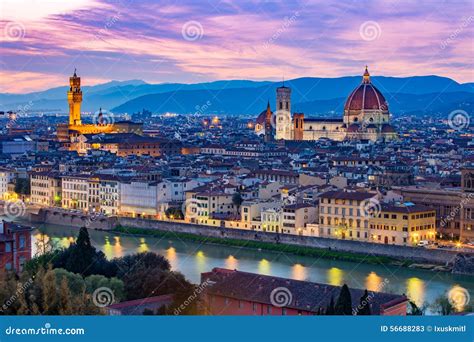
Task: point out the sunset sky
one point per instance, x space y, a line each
196 41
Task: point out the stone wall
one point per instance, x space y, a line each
416 254
65 218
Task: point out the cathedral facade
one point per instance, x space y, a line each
366 117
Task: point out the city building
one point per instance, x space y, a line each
45 188
15 246
238 293
345 214
403 224
366 117
69 132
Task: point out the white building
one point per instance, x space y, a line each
138 198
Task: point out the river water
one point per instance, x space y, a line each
191 259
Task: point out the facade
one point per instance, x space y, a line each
6 177
454 209
75 192
237 293
295 217
45 188
343 214
15 246
138 198
366 117
404 224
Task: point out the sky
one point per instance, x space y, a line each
191 41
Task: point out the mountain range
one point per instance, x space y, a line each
313 96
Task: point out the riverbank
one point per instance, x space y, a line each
259 245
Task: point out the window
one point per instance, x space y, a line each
241 304
283 311
254 307
269 310
8 247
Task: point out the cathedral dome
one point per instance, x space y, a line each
365 97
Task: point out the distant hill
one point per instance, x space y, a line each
311 95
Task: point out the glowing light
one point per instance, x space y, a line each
299 272
416 290
264 267
231 262
373 282
335 276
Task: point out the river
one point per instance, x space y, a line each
191 259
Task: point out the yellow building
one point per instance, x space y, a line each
102 123
404 224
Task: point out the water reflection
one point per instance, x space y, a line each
184 257
201 264
335 276
374 283
299 272
264 267
143 247
231 263
416 290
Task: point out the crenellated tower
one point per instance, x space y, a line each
74 98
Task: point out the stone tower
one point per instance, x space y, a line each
74 98
283 113
269 135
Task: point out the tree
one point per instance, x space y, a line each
443 306
133 262
330 308
175 213
344 302
364 307
237 199
415 310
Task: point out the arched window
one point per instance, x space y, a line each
310 128
324 128
356 119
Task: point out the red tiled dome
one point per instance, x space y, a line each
366 97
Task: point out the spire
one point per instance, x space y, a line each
366 77
268 104
75 75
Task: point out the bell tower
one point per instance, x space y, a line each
74 98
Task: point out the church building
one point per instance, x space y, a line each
366 117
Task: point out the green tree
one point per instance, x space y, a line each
176 213
364 306
344 302
330 307
237 199
414 309
443 306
